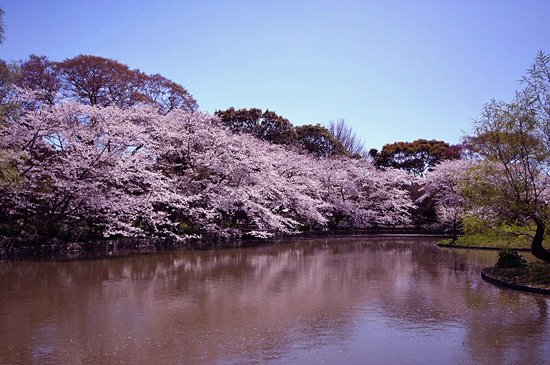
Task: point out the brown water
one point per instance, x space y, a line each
346 300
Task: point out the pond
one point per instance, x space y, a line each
397 300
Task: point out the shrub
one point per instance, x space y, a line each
510 259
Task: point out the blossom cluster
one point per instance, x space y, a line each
71 168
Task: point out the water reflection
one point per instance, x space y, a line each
355 300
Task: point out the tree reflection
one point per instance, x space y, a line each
269 302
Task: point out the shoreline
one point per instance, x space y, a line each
100 249
488 277
446 245
104 249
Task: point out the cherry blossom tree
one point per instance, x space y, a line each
240 177
361 196
132 171
443 184
85 165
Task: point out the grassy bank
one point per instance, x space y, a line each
496 241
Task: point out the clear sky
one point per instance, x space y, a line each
394 70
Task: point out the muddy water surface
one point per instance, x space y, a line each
346 300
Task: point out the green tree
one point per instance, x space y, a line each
416 157
276 129
241 120
319 141
265 125
513 141
9 75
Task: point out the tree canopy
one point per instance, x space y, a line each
265 125
278 130
9 75
513 141
319 141
101 81
416 157
81 171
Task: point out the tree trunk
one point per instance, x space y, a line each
536 246
455 229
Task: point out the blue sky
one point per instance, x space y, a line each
394 70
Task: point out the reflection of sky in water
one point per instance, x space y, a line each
372 334
346 300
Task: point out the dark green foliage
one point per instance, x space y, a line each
534 275
241 120
416 157
265 125
9 75
273 128
510 259
276 129
318 140
423 212
540 273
